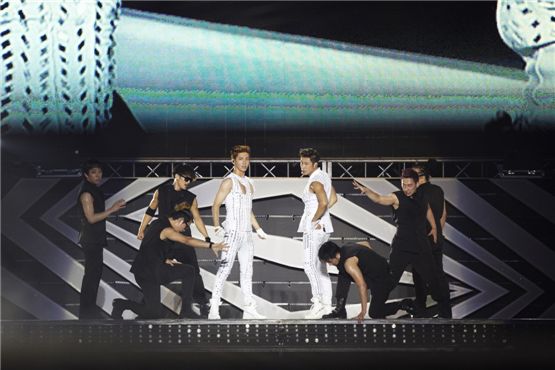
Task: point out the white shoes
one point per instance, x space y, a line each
318 310
250 313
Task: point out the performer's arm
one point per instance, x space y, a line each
430 217
320 193
171 234
351 267
333 198
223 191
87 203
147 217
199 223
384 200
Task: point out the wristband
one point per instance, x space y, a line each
207 239
151 212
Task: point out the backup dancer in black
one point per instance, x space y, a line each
93 235
358 263
152 267
167 198
410 245
436 199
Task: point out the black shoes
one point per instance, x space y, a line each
408 306
204 310
118 306
337 313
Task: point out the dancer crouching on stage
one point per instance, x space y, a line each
166 199
369 271
237 191
155 266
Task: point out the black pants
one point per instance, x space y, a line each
188 255
380 292
91 279
421 289
151 307
424 263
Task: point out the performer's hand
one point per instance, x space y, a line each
360 317
141 234
316 225
172 262
261 234
360 187
433 234
119 204
219 247
220 232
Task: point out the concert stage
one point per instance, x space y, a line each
282 344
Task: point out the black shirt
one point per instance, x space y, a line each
374 268
411 221
152 252
436 199
92 233
170 200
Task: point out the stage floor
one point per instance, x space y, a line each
264 344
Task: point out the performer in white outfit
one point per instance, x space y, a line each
318 196
237 192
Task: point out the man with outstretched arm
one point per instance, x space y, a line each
410 245
154 265
176 196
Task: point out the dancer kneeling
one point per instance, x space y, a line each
155 266
369 271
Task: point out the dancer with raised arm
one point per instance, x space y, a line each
410 245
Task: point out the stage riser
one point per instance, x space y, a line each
184 335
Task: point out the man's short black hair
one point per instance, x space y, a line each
409 173
327 251
186 215
310 153
89 165
185 171
421 170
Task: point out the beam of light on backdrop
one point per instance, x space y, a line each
176 73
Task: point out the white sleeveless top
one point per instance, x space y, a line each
238 206
311 203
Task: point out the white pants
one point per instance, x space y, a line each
316 270
239 243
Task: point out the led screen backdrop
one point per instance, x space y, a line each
216 75
174 86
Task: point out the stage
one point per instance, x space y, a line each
280 344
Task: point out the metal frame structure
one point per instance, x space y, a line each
337 168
